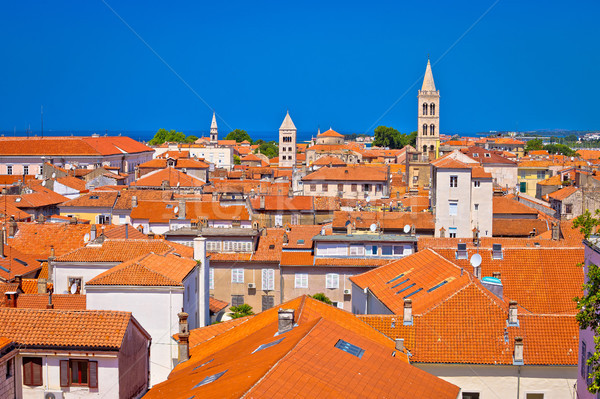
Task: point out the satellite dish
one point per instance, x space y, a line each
53 175
373 227
86 237
176 209
73 288
476 260
368 199
407 228
44 183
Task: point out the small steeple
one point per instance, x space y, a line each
213 124
428 84
214 132
287 123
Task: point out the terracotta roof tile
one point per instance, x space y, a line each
283 203
60 301
349 173
63 146
117 250
174 177
216 305
505 205
563 193
331 133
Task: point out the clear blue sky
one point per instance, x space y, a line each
339 64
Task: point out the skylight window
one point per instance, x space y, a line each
209 379
203 364
349 348
94 197
400 283
270 344
437 286
405 288
300 242
395 278
20 261
169 206
413 293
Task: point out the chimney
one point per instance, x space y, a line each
137 172
11 299
349 228
164 184
181 214
518 355
151 235
513 319
2 243
127 231
477 272
42 286
286 239
408 312
50 305
73 220
184 336
262 202
400 344
19 281
93 232
12 227
555 231
200 249
134 201
286 320
4 235
442 232
215 196
40 218
51 264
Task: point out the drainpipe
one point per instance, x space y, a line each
518 381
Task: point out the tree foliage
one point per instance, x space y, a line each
589 304
534 145
238 135
236 160
268 148
241 311
391 138
171 136
323 298
559 149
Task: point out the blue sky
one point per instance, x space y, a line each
340 64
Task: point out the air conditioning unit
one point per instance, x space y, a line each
53 395
347 291
251 285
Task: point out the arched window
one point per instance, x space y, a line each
432 108
424 108
431 148
425 130
424 148
432 129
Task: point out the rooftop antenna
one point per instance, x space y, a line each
42 116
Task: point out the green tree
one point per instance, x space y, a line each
571 138
236 160
534 145
323 298
268 148
588 305
238 135
241 311
191 138
170 136
412 138
559 149
390 137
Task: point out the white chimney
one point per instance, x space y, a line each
513 320
203 280
518 355
286 320
93 233
408 312
400 344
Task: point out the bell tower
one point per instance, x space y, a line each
287 143
214 132
428 136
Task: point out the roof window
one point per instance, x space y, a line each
413 293
270 344
203 364
94 197
487 155
407 287
461 251
395 278
475 155
400 283
300 242
349 348
169 206
209 379
437 286
272 246
497 251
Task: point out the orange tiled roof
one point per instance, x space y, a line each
502 227
551 181
94 199
117 251
506 205
87 329
68 146
283 203
161 163
328 161
216 305
174 177
60 301
331 133
287 368
563 193
147 270
16 263
589 154
538 152
72 182
125 231
390 220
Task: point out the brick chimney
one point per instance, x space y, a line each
513 319
181 214
134 202
286 320
408 319
555 231
12 227
518 355
184 336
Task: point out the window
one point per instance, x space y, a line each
475 155
432 108
372 250
367 188
452 232
349 348
424 108
453 208
541 174
387 250
78 373
353 188
340 187
453 181
26 169
295 219
432 129
32 371
324 187
237 276
270 344
268 279
268 301
487 155
9 169
523 187
209 379
357 250
476 183
339 305
278 220
211 278
424 130
289 148
301 280
470 395
9 368
75 281
213 246
476 207
313 187
582 362
237 300
568 208
332 280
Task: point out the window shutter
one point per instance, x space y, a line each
271 279
27 368
328 281
93 370
64 373
305 280
211 278
335 280
37 372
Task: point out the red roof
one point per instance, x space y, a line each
331 133
563 193
173 177
349 173
69 146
